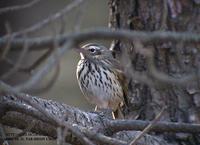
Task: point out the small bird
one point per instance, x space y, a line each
100 78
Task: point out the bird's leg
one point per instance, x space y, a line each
96 108
118 114
113 115
105 112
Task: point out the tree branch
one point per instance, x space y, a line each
46 21
19 114
40 43
18 7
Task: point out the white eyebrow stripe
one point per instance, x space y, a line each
94 47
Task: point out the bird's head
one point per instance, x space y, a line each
97 51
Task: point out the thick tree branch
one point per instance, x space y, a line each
19 114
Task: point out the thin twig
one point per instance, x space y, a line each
79 17
18 7
29 69
18 63
49 84
51 62
8 44
48 20
148 128
38 62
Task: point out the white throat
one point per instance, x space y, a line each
82 56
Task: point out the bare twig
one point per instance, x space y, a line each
34 65
51 62
55 75
7 46
148 128
79 17
18 63
48 20
18 7
48 84
38 62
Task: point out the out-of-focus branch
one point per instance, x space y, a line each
102 33
51 62
7 47
34 65
18 63
48 20
19 7
48 85
148 128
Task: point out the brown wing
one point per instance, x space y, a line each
114 64
119 69
124 83
121 77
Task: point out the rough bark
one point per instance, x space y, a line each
175 59
16 113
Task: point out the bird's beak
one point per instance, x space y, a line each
82 52
78 49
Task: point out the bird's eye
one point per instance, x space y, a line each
92 50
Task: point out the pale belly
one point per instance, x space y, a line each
99 88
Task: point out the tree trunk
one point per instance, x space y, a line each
174 59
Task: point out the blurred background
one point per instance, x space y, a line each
90 14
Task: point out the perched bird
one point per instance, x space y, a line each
100 78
